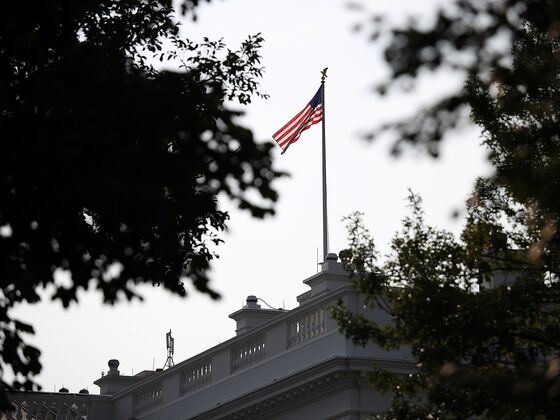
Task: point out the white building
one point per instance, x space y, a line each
280 365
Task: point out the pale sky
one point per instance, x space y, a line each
271 258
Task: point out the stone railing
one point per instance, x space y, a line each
306 326
266 354
248 352
147 397
56 406
195 376
228 365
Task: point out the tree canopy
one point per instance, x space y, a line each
481 313
111 167
462 37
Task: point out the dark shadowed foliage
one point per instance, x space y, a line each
110 169
481 313
462 37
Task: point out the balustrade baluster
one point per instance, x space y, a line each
311 325
244 354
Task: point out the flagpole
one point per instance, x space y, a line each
325 218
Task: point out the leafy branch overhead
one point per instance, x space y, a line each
462 38
480 321
479 313
111 166
236 71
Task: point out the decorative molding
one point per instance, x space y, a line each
300 394
324 378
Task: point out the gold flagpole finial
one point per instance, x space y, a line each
324 74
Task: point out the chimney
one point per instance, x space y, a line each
252 315
332 276
114 382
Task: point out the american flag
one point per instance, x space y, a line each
311 114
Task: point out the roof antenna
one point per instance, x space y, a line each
170 343
317 264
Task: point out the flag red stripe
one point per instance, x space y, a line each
311 114
297 129
294 131
314 118
293 125
301 129
291 121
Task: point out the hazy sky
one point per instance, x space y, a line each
270 258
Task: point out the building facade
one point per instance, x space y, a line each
280 365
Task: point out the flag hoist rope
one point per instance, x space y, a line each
324 154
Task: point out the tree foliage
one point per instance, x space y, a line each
111 167
481 313
481 321
462 37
